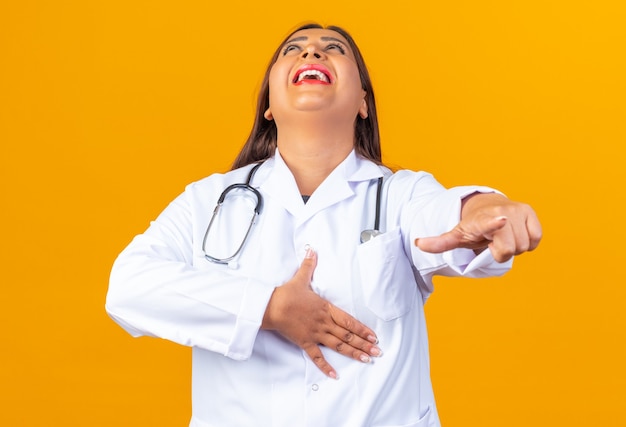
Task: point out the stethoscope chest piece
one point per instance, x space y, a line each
367 235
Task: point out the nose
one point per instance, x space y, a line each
311 50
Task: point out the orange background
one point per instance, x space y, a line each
108 108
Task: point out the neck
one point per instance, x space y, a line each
312 152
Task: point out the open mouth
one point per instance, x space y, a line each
312 73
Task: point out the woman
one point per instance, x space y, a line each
288 319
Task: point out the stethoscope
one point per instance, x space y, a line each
366 235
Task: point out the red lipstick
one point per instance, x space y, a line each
312 74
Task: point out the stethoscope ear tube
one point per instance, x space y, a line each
231 261
248 187
379 192
367 235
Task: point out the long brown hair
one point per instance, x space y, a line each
261 142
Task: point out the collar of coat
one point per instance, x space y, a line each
276 181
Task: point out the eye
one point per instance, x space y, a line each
336 46
290 48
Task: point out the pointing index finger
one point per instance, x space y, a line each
470 236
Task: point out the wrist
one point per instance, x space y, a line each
477 200
268 317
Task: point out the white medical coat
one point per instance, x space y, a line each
162 285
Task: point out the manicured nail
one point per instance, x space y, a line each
499 218
365 358
372 339
333 375
376 352
309 251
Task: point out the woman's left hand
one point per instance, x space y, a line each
490 220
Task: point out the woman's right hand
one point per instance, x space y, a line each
296 312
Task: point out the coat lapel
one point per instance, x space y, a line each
278 183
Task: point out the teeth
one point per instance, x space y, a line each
313 73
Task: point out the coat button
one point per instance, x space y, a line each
315 387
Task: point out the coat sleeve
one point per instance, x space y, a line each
155 290
433 210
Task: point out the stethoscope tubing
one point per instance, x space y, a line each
257 211
365 234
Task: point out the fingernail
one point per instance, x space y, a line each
365 358
501 217
375 351
309 251
372 339
333 375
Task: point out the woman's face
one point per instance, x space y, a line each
315 71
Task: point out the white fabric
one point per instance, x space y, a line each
162 285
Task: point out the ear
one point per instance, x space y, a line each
363 109
268 115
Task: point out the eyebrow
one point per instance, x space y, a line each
331 39
323 38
